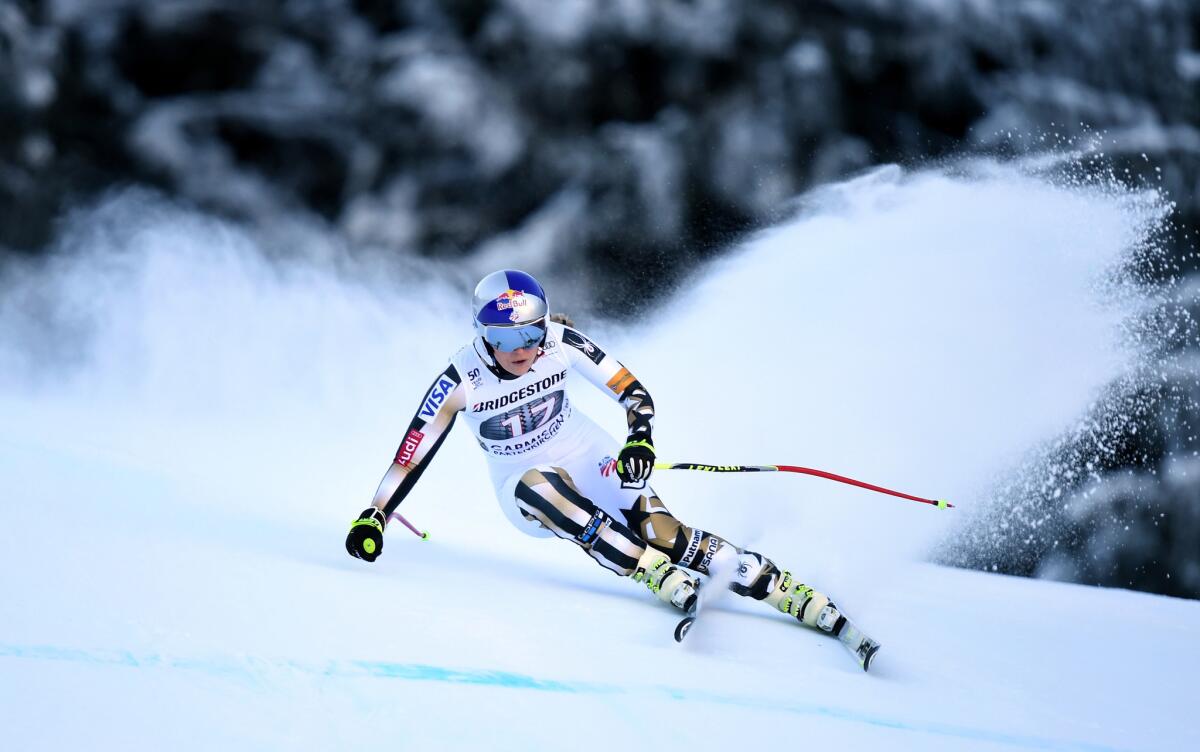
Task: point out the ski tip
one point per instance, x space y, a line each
866 663
681 629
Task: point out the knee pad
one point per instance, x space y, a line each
595 525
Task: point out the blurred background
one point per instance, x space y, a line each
629 143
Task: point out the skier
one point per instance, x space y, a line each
553 468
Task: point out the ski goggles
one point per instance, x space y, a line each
515 337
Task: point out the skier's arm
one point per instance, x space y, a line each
609 375
429 428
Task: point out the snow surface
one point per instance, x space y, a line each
188 430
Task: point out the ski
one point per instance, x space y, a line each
857 643
860 646
693 608
714 586
684 625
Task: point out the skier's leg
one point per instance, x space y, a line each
689 547
757 576
548 495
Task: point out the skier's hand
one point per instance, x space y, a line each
365 540
636 460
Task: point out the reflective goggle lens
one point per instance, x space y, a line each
509 338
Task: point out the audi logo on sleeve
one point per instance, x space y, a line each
409 447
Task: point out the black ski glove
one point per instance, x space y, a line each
365 540
636 460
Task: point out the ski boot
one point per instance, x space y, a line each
670 583
816 610
805 604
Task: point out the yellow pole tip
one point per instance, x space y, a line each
425 536
942 504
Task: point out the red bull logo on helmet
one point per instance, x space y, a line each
511 299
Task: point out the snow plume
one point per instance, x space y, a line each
1110 500
147 304
162 339
919 331
928 332
1107 499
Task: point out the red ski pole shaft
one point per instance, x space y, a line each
940 504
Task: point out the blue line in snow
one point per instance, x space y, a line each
252 667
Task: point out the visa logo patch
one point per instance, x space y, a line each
437 395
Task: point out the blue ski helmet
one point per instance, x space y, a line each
510 310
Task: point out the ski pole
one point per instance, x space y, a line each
940 504
407 524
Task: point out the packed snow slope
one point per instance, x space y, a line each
188 430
